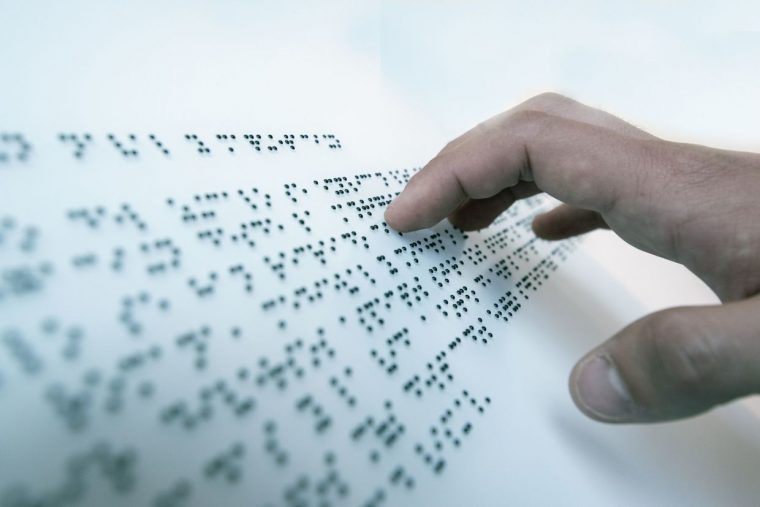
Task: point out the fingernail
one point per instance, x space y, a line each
601 391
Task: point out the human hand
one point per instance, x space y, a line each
694 205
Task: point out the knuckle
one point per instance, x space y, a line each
688 358
449 145
480 129
545 100
434 165
551 98
529 116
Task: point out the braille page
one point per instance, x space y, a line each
200 302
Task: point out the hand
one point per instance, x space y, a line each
694 205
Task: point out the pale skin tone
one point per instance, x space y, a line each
691 204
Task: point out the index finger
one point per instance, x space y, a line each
583 165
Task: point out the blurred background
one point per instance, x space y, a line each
686 70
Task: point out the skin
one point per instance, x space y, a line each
691 204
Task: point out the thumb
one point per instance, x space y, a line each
672 364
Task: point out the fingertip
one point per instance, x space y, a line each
575 396
542 227
389 216
398 219
598 390
549 227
